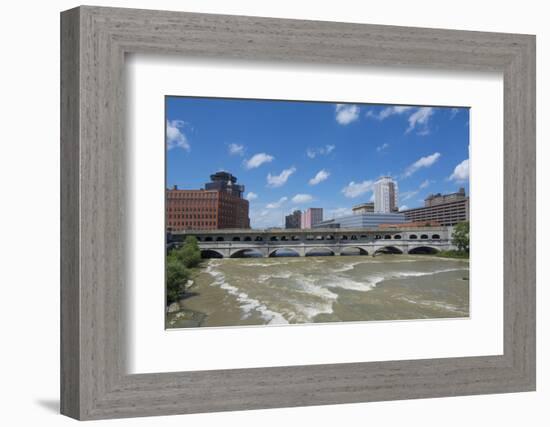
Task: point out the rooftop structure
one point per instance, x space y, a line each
438 198
363 208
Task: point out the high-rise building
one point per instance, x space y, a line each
219 205
311 217
445 209
385 195
294 220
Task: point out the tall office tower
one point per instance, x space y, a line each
311 217
385 195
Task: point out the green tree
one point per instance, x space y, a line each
461 236
189 254
176 278
178 263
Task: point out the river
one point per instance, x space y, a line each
266 291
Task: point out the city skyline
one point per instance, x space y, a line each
298 155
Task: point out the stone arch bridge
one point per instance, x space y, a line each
234 243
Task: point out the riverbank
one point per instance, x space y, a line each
453 254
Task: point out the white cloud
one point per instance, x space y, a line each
175 138
403 207
382 147
419 120
236 149
251 196
323 151
257 160
454 112
346 113
406 195
320 177
461 172
388 111
425 183
356 189
302 198
278 204
265 218
423 162
281 179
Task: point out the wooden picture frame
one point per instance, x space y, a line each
94 41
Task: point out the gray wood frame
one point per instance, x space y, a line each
94 41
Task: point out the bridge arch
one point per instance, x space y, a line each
283 252
423 250
436 236
211 253
352 250
247 253
320 251
388 250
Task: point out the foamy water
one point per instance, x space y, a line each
326 289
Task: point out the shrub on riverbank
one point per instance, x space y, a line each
454 254
179 265
461 236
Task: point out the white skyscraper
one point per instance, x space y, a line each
385 195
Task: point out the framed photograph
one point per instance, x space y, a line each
261 213
301 194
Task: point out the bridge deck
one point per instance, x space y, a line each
234 242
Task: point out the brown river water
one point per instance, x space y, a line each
286 290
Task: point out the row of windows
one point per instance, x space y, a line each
182 194
191 216
312 237
193 209
192 202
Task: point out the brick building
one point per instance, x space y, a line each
219 205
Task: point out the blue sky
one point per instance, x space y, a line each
294 155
